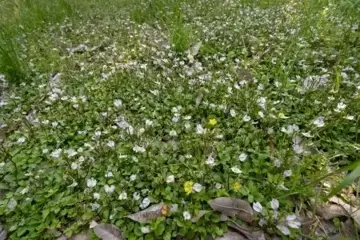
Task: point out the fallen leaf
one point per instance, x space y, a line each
108 232
152 212
233 207
330 211
250 234
352 211
81 236
199 215
230 235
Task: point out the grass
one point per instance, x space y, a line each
267 110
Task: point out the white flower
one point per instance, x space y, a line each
110 144
274 204
199 129
138 149
261 102
187 125
246 118
118 103
2 164
94 206
97 134
290 129
173 133
287 173
91 182
145 203
25 190
236 170
123 196
71 152
187 215
81 159
96 196
141 131
298 148
109 189
262 222
283 229
74 166
133 177
136 196
349 117
218 185
12 204
277 162
170 179
197 187
292 222
258 207
44 151
243 157
74 184
340 106
210 160
21 140
261 114
145 230
109 174
56 154
187 117
148 122
232 112
307 134
319 122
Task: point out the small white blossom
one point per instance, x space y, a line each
74 166
110 144
243 157
232 112
71 152
138 149
145 230
199 129
274 204
170 179
109 174
307 134
145 203
2 164
74 184
91 182
123 196
236 170
261 114
21 140
283 229
96 196
261 102
25 190
187 215
136 196
277 162
94 206
118 103
319 122
349 117
109 189
56 154
218 185
292 222
246 118
197 187
187 117
288 173
133 177
340 106
210 160
148 122
258 207
173 133
262 222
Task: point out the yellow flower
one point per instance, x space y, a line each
188 187
212 122
236 186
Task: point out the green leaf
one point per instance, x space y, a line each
160 228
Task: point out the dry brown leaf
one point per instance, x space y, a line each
81 236
352 211
233 207
108 232
250 234
230 235
330 211
152 212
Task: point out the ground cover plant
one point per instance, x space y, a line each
182 119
